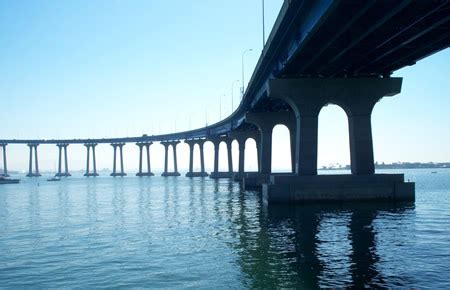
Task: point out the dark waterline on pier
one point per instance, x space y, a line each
198 233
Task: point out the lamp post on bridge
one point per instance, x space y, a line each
263 26
243 83
232 94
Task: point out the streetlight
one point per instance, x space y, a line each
263 26
243 84
232 95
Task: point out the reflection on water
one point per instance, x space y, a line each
173 232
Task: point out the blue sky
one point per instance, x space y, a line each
123 68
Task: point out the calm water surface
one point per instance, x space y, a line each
201 233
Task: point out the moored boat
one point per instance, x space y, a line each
6 180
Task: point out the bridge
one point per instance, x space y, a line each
318 53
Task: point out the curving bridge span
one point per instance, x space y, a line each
318 52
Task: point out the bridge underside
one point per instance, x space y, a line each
367 38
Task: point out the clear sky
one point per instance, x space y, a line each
90 68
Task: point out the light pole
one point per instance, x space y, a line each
220 109
263 25
232 95
243 84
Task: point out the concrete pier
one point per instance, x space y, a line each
357 97
265 122
122 172
191 144
88 147
141 146
166 145
216 140
241 137
63 147
33 147
5 167
337 188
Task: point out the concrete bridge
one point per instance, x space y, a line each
318 53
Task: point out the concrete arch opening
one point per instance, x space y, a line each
281 149
170 165
235 155
251 156
208 149
333 141
196 161
223 157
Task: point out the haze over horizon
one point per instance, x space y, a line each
94 69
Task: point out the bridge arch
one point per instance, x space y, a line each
235 155
208 149
223 157
196 161
333 148
281 148
251 155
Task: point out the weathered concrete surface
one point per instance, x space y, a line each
239 176
255 180
90 174
337 188
170 174
118 174
197 174
145 174
221 174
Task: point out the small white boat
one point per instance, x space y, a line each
54 178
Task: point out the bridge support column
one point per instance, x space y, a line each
33 147
122 172
216 140
265 123
61 147
241 137
90 146
166 145
230 156
201 144
191 144
5 167
66 162
216 157
357 97
241 166
147 147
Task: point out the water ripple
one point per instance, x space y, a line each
200 233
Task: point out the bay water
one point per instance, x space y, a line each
179 232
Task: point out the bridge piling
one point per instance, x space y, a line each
166 145
141 146
61 147
33 146
147 147
241 137
122 172
88 147
66 163
216 140
59 159
357 97
191 144
5 167
265 122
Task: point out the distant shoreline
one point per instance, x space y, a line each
401 165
